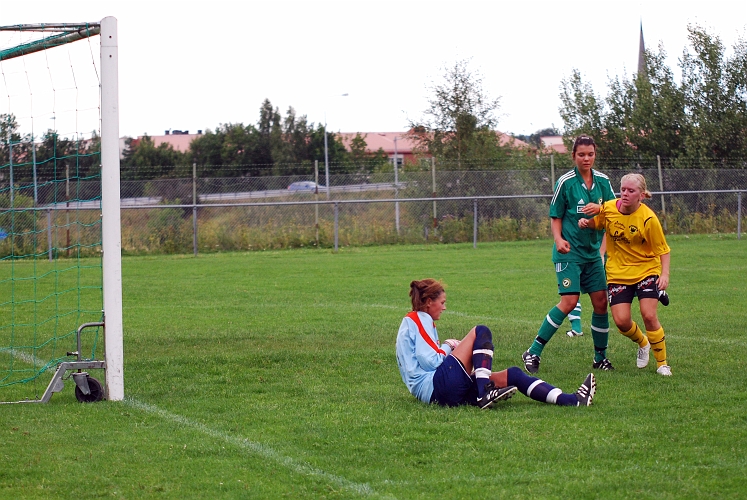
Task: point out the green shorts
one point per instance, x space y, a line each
580 277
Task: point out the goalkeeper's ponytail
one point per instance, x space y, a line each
422 290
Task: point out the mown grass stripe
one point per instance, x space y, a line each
255 448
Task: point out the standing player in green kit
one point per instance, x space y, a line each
578 194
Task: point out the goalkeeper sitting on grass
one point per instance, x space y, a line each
460 372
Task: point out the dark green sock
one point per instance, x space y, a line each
600 333
550 325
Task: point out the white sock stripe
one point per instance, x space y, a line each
482 372
483 351
534 384
573 316
552 396
600 330
549 320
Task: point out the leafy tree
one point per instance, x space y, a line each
275 145
270 134
535 139
9 137
715 94
143 160
363 160
581 110
358 151
207 149
704 116
460 119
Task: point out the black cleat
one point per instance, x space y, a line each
603 365
493 394
531 362
585 393
663 297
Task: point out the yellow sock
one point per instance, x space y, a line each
658 346
636 335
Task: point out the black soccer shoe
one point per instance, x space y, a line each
603 365
493 394
531 362
585 393
663 297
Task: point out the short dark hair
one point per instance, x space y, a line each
584 140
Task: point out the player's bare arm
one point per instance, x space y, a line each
663 281
557 233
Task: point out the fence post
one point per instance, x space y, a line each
33 161
67 210
661 188
194 208
10 159
396 187
474 224
433 173
552 173
49 234
316 197
336 211
739 215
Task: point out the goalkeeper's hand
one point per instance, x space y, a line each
453 343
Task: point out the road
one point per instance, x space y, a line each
232 197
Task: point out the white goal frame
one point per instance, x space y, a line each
111 241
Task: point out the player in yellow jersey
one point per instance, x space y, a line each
637 265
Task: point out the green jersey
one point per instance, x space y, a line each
571 194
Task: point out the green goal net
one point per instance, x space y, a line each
51 224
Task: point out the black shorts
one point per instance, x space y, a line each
624 294
452 385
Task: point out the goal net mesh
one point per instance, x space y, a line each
50 195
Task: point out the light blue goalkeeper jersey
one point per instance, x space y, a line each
416 359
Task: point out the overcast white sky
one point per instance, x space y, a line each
193 65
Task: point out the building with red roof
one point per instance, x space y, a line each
405 144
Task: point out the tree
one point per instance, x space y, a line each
704 116
535 139
715 95
276 145
460 119
581 110
144 160
358 147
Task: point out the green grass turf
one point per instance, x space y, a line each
273 375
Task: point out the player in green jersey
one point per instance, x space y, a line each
578 194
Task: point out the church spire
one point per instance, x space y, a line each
641 54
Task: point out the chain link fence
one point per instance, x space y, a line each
191 215
257 213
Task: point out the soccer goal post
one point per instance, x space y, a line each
110 206
45 166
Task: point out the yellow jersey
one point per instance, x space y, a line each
635 243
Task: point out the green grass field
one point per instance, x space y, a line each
273 375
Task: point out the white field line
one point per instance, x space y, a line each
263 451
27 358
255 448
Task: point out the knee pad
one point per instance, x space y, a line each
483 338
